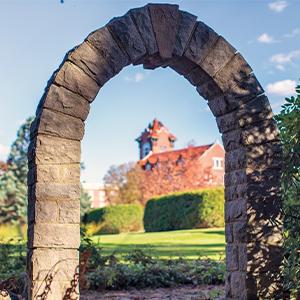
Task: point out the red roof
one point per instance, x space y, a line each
153 130
175 154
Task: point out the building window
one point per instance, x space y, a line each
218 163
148 167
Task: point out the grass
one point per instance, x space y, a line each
189 244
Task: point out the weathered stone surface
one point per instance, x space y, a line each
56 191
200 43
69 211
235 192
127 35
235 210
62 100
210 90
181 65
232 260
197 76
88 58
235 177
54 235
113 55
59 125
66 174
165 20
260 133
228 122
235 159
238 285
221 53
57 262
240 232
186 27
76 80
246 89
228 233
142 20
234 72
54 291
42 211
232 140
45 149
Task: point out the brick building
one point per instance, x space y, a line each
96 193
170 170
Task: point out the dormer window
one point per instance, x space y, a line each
218 163
146 149
148 166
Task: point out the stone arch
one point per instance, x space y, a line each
157 35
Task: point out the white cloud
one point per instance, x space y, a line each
4 150
282 59
295 32
265 38
282 88
278 6
137 77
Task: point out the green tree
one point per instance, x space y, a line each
85 202
289 125
13 182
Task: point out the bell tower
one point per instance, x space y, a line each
155 138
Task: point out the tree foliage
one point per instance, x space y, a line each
122 184
13 181
289 125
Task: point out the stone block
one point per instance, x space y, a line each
53 290
88 58
54 235
238 285
43 211
228 122
235 192
60 264
235 210
69 211
236 177
197 76
243 258
62 100
181 65
235 159
210 90
228 233
57 191
141 18
216 59
201 42
240 232
186 26
232 140
126 34
76 80
165 20
58 125
232 258
62 174
254 111
260 133
110 51
45 149
234 72
246 89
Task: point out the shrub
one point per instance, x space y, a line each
185 210
114 219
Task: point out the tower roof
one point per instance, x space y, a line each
153 130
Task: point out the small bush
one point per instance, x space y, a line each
185 210
114 219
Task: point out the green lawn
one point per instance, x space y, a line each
181 243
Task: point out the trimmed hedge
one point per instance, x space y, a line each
114 219
185 210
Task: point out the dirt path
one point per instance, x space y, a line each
179 293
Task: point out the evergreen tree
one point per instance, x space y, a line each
13 182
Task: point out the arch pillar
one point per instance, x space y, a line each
157 35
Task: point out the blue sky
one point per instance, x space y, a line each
35 35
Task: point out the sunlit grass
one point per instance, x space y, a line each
189 244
